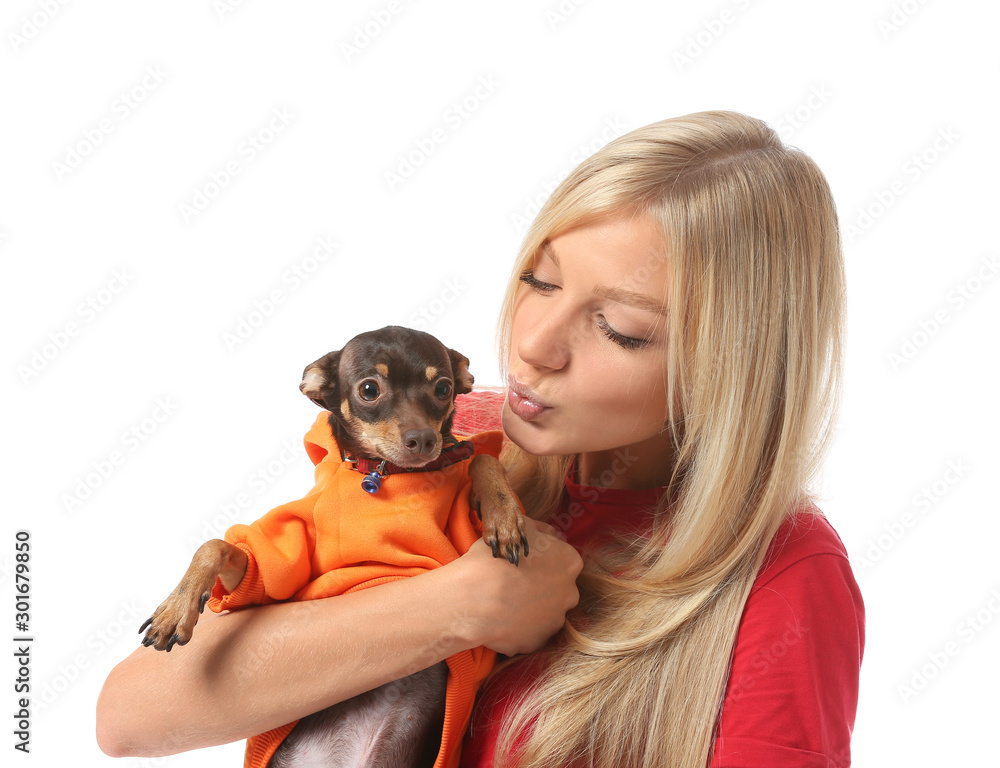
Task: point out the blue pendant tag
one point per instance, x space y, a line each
372 482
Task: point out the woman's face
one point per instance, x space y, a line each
588 342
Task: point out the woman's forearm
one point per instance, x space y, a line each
247 672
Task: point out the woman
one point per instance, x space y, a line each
672 336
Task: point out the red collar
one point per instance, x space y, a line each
450 454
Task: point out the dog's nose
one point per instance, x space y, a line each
419 442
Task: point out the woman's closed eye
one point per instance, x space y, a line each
529 279
627 342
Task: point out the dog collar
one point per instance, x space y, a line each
375 469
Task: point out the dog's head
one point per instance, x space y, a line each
390 393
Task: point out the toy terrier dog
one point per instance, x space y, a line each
390 394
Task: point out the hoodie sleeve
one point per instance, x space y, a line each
279 546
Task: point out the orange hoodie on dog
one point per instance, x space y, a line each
339 539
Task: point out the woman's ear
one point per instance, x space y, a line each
460 368
319 381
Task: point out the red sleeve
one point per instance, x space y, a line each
792 694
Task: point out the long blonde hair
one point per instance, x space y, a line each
753 373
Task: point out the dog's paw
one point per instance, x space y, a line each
173 622
503 527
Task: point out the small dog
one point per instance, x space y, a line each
391 397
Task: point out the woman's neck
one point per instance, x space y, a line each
641 465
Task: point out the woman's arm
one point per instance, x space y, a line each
247 672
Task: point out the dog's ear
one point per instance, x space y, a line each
319 381
460 367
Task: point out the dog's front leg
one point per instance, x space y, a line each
495 501
173 622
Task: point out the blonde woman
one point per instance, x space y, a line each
672 335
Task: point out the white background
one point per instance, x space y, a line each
117 114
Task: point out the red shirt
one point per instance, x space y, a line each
792 693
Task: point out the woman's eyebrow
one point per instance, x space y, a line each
620 295
633 299
547 249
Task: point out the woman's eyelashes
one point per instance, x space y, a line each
529 279
626 342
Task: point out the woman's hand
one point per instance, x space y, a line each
516 609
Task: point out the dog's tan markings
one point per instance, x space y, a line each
383 369
383 430
379 438
312 382
431 373
345 410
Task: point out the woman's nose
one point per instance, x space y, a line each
542 339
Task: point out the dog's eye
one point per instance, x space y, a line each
443 389
368 391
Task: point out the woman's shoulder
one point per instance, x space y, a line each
792 692
806 539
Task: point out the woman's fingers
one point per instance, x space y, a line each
516 609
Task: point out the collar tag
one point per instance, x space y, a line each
373 480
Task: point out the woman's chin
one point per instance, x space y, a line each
528 437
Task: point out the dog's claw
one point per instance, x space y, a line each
204 601
146 624
173 640
524 543
495 547
479 509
